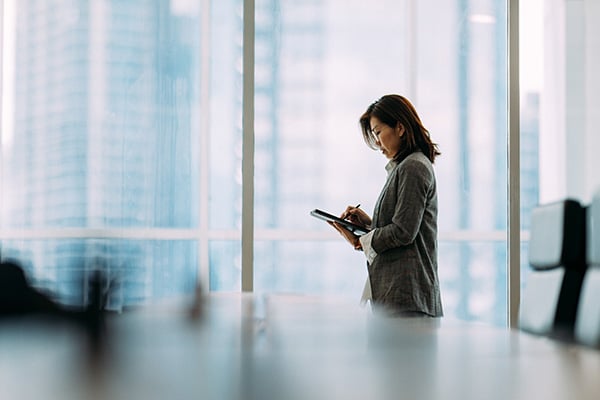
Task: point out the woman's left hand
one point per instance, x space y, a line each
349 236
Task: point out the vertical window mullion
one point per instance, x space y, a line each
203 277
248 148
514 225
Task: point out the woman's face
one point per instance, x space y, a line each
387 138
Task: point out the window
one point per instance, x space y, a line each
324 71
123 140
559 102
100 145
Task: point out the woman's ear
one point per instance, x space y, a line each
400 129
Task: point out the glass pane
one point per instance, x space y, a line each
465 99
102 131
225 155
136 271
225 266
474 288
333 271
531 16
316 71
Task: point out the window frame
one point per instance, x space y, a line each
513 192
248 235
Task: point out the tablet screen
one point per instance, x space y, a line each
325 216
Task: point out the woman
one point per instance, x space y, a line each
401 248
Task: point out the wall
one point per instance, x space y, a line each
592 120
570 101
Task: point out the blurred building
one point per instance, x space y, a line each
101 140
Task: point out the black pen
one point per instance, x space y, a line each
345 215
357 206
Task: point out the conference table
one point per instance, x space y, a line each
286 346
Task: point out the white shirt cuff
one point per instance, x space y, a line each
365 242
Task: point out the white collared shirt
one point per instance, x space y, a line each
370 253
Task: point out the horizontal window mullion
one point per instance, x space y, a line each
231 234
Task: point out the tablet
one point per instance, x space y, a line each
356 229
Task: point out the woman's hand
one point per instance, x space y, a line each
357 216
346 234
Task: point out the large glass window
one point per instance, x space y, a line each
122 125
559 57
316 71
100 144
531 77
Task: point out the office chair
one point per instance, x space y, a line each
587 326
557 260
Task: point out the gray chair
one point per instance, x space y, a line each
587 326
557 259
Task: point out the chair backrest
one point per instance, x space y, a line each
587 327
557 235
557 259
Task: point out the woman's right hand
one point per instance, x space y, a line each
357 216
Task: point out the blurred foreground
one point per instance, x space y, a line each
271 347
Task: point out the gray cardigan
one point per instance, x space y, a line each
403 275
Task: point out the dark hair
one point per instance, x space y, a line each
393 109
